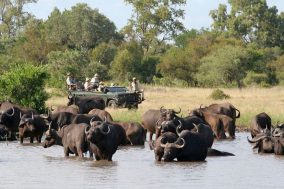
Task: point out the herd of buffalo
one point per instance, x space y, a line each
84 126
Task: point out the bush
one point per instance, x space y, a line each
24 85
218 94
253 78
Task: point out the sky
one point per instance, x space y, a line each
196 11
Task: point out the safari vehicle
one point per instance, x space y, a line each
114 97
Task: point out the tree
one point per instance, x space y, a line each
154 21
250 20
127 62
60 63
12 17
224 66
104 53
24 84
80 28
176 64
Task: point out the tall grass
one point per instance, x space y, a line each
250 101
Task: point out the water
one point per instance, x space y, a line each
32 166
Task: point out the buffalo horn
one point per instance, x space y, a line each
253 140
182 145
86 131
49 126
91 121
179 128
278 134
161 110
159 126
162 144
103 132
178 111
32 115
10 115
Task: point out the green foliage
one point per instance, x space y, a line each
218 94
24 84
223 66
80 28
154 20
127 62
250 20
104 53
260 79
176 64
169 82
13 17
60 63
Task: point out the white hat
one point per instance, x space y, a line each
96 75
88 79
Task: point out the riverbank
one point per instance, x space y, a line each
250 101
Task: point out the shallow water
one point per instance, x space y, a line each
32 166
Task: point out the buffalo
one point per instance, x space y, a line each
278 137
86 104
104 139
214 120
189 146
3 133
10 117
151 119
72 137
32 126
225 108
167 137
72 109
263 142
135 133
260 122
101 114
59 119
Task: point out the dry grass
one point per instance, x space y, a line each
250 102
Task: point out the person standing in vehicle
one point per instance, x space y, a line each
95 81
135 87
70 81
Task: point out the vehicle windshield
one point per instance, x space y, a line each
116 89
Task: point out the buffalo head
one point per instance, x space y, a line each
51 137
172 150
168 114
264 143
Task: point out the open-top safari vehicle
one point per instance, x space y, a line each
114 97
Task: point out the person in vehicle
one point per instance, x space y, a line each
70 81
95 81
87 85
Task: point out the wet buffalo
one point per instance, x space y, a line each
167 137
278 137
179 124
72 109
3 133
152 118
104 139
101 114
135 133
189 146
32 126
263 142
260 122
10 116
86 104
72 137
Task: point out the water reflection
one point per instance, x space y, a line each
32 166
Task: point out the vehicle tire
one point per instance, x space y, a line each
134 107
112 104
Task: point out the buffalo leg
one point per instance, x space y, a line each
80 153
31 139
109 158
151 135
97 157
66 152
21 139
38 138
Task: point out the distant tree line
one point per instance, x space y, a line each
244 46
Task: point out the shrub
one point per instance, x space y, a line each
218 94
24 85
253 78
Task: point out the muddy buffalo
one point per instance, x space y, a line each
32 126
104 139
72 137
189 146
